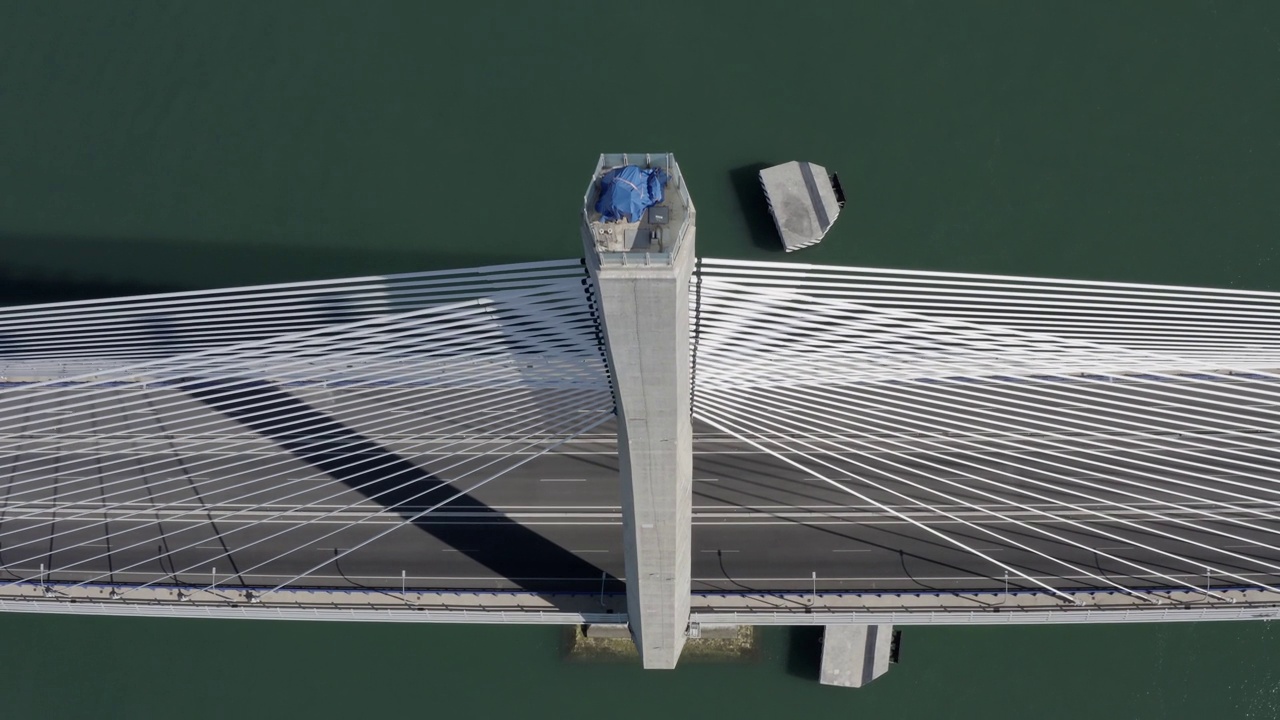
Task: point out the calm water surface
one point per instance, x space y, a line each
148 147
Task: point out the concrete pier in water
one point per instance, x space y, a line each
642 264
804 201
854 655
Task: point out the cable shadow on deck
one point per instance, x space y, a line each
774 494
529 561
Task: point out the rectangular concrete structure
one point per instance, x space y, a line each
643 291
802 200
854 655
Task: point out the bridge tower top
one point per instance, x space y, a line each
636 211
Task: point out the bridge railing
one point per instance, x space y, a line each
1063 616
346 614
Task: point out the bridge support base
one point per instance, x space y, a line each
854 655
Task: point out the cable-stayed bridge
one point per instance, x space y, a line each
1016 426
864 446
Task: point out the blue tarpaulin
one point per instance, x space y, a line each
626 192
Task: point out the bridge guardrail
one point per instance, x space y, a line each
274 612
1064 615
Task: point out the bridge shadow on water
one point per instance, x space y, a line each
527 559
38 267
17 289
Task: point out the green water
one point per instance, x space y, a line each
148 147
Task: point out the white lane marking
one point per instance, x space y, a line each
122 506
860 583
1118 547
706 479
565 519
710 580
42 509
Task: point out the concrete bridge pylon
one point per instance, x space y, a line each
641 264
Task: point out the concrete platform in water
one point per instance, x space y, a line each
804 201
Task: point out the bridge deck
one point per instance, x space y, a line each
149 502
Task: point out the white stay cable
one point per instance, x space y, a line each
525 431
776 409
